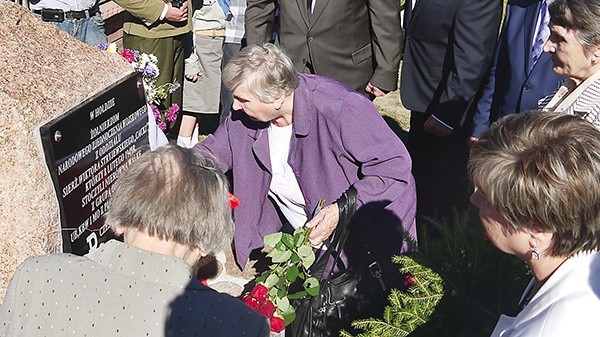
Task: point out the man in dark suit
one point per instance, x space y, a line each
517 80
449 47
356 42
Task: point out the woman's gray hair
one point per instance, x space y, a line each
583 16
266 70
174 194
541 171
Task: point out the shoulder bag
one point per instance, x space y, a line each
347 292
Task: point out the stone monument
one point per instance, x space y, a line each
51 84
44 73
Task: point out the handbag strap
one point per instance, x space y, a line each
347 207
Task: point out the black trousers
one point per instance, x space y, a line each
440 170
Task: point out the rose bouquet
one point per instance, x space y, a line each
147 65
287 278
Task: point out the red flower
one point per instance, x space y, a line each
233 201
251 302
267 309
260 293
277 324
409 280
128 55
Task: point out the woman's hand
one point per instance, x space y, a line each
323 224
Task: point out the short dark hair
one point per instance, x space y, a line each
175 194
542 171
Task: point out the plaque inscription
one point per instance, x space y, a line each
86 149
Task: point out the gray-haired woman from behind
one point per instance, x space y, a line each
145 286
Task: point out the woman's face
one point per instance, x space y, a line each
569 56
495 226
257 110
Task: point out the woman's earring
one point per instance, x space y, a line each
535 255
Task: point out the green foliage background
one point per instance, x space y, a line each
462 286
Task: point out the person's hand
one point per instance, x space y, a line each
175 14
323 224
193 77
375 91
436 128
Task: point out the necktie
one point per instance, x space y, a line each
542 34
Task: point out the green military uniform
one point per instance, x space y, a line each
144 31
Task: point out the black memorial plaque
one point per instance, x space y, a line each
86 149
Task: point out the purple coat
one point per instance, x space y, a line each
339 139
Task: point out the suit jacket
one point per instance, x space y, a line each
512 85
120 290
352 41
566 305
339 140
449 47
144 19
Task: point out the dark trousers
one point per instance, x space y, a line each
229 52
440 170
169 52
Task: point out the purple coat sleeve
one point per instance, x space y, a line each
385 166
385 178
218 145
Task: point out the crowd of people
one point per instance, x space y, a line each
504 100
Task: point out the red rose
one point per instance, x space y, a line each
409 280
267 309
252 302
260 292
233 201
277 324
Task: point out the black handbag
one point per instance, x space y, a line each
347 292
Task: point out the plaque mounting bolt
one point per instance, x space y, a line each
57 136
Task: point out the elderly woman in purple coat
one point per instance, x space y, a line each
294 139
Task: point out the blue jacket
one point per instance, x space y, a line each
511 86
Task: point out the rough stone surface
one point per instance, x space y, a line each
43 73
